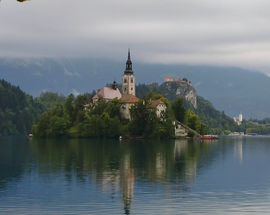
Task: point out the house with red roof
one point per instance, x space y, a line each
168 79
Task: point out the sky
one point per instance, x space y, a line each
211 32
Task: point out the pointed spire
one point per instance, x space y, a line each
128 53
129 64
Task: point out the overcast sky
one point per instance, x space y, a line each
215 32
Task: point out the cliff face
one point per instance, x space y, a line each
175 89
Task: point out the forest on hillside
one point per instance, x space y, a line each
18 110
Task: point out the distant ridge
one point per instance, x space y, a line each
233 90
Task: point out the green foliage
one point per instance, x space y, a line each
216 120
179 109
18 111
49 99
192 120
100 126
143 89
146 123
102 119
250 126
71 118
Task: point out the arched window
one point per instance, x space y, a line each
125 80
131 80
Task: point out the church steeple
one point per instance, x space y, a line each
128 79
129 64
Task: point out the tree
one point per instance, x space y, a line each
143 119
178 109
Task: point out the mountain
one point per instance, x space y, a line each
18 111
232 90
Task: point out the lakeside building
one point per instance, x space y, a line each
238 120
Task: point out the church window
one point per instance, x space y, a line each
125 80
131 80
131 88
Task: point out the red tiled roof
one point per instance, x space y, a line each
129 99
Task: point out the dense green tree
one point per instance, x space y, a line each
49 99
18 110
179 109
144 121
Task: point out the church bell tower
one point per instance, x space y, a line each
128 79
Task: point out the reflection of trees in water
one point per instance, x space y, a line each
14 157
115 165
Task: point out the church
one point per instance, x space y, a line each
128 96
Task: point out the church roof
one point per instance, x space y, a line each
108 93
129 99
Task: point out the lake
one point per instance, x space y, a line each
79 176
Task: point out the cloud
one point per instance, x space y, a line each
224 32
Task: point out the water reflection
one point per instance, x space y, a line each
14 157
115 165
238 148
122 170
127 180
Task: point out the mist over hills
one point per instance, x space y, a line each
233 90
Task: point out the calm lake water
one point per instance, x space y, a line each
229 176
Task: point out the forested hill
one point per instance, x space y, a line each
18 110
217 120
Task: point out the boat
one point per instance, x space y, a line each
209 137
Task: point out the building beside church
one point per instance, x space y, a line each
126 103
159 105
108 93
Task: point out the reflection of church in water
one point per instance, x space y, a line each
127 180
122 179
